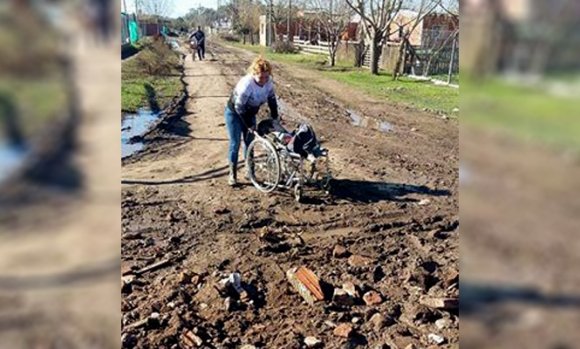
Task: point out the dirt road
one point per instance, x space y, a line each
394 200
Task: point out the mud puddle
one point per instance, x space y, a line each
133 127
361 121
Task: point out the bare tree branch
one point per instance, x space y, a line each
160 8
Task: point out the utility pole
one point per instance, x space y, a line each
270 24
289 19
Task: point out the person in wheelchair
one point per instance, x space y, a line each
251 92
301 141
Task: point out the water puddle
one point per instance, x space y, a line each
385 126
133 127
10 158
355 119
361 121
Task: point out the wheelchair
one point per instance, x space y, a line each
273 165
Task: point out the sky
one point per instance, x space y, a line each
180 7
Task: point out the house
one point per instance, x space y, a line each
151 26
432 30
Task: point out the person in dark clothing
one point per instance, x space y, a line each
200 38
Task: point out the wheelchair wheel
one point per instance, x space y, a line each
263 164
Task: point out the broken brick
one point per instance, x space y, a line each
343 330
340 251
372 298
191 340
359 261
440 303
306 283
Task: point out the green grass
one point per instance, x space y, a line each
37 101
444 77
524 112
134 92
135 84
296 58
410 92
406 91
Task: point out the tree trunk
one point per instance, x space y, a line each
400 59
360 53
427 67
333 55
12 126
332 49
244 39
375 56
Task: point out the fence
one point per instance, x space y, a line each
306 47
320 48
387 59
439 52
439 55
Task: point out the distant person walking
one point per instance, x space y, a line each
199 36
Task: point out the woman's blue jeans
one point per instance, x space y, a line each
236 131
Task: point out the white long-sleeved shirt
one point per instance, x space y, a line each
248 97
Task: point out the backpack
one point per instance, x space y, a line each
304 141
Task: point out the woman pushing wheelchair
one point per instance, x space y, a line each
251 92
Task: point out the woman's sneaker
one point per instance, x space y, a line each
232 176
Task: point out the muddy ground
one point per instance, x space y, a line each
394 200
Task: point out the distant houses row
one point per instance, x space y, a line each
133 28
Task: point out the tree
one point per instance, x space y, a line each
158 8
201 16
248 19
408 26
333 16
280 12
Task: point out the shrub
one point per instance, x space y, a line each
229 37
157 58
284 47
